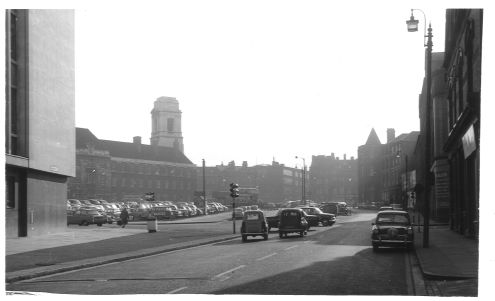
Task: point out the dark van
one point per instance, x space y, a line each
292 221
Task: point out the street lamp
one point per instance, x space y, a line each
204 189
412 26
303 189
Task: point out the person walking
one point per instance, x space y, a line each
124 217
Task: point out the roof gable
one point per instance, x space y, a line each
373 138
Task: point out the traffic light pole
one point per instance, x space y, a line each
233 215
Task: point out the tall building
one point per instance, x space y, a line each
398 167
166 124
333 179
463 53
369 169
40 119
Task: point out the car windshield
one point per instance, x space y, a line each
392 218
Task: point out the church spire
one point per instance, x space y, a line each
373 138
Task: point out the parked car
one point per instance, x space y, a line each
74 203
273 220
292 220
254 224
85 217
392 228
238 213
326 219
383 208
313 220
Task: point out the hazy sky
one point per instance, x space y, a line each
255 80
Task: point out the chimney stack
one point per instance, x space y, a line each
136 140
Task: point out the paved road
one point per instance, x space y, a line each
333 260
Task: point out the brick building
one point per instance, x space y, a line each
333 179
117 171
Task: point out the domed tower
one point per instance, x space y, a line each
166 123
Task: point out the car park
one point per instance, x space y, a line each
325 219
254 224
292 220
392 228
85 217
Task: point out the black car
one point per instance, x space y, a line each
292 220
326 219
392 228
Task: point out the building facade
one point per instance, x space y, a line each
369 170
333 179
398 168
275 183
40 119
125 171
462 63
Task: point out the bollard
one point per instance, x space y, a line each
152 224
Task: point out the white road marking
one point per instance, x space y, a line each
229 271
177 290
295 246
267 256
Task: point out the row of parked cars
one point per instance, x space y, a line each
94 211
86 212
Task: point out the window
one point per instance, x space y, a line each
15 127
10 192
170 124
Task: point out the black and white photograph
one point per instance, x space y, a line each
248 149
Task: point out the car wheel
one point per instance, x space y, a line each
99 225
324 222
301 233
265 236
375 248
244 238
280 234
85 223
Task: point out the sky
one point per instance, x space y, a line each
256 81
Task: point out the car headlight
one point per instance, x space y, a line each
374 229
410 230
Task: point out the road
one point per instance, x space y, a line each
336 260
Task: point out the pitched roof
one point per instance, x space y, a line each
130 150
373 138
412 136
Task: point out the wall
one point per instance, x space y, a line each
51 91
46 209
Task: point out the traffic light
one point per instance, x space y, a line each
149 196
234 190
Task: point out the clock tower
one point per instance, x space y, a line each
166 123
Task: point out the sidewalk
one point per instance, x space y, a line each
450 263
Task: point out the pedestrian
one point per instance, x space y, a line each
124 216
